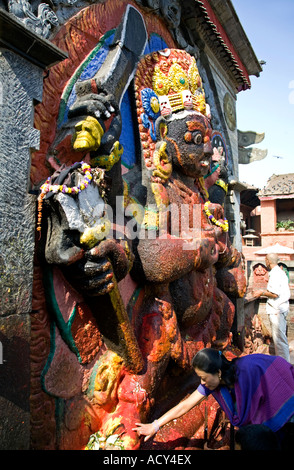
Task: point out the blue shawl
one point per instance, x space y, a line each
263 392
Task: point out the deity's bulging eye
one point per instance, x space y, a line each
198 139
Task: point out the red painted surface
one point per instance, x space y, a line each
97 390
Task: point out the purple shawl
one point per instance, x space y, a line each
264 391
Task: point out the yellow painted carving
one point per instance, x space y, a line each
154 103
106 380
178 79
151 219
173 80
160 195
160 82
199 102
195 81
92 235
107 161
222 184
112 425
132 207
88 134
162 202
161 161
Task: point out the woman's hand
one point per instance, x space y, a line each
148 430
177 411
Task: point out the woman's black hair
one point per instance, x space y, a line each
211 361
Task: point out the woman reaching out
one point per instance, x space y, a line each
253 389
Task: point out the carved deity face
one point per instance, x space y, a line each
189 144
171 11
87 135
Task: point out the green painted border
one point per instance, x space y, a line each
64 328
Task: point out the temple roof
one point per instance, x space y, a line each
279 185
217 23
249 196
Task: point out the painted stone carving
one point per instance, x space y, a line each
260 274
170 10
42 23
136 264
175 167
216 180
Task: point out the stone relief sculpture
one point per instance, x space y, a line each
136 264
40 23
171 12
216 180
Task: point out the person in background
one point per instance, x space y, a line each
277 305
253 389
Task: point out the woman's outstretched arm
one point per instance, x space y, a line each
183 407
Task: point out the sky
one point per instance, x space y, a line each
269 105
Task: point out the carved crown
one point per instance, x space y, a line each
173 76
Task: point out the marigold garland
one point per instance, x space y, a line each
224 226
55 188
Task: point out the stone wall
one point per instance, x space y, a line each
21 87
